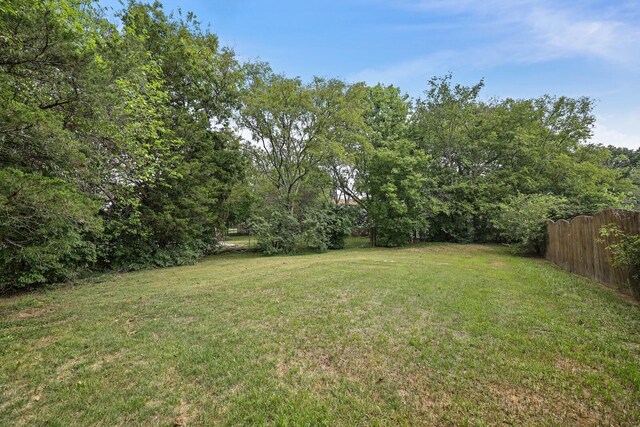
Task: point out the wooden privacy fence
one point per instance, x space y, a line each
576 245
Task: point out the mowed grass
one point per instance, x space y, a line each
437 334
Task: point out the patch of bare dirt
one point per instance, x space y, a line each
183 413
31 313
68 368
521 405
107 359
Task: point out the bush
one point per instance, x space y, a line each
46 230
397 231
322 228
139 256
328 227
316 233
522 220
277 232
340 224
625 252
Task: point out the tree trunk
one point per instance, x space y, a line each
373 234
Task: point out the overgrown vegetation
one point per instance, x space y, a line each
46 229
121 149
109 153
521 220
625 251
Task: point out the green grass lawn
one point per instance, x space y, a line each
436 334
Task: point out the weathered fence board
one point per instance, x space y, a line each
576 245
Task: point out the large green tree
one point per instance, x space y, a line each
49 225
129 121
379 168
484 152
627 162
172 216
293 126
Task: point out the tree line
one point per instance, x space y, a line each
132 141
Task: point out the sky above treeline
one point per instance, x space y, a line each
522 48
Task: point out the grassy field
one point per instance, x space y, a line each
437 334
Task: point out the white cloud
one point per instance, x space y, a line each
603 135
524 31
560 34
622 130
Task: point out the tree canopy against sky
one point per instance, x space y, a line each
521 48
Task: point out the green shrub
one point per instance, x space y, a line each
521 221
277 232
328 227
46 230
320 228
340 224
398 231
315 231
625 252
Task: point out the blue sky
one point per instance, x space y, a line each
522 48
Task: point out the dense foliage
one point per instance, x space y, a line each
521 220
627 161
625 251
115 140
483 153
46 228
121 148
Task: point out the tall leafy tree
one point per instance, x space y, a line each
379 168
293 126
130 121
627 162
48 224
172 216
